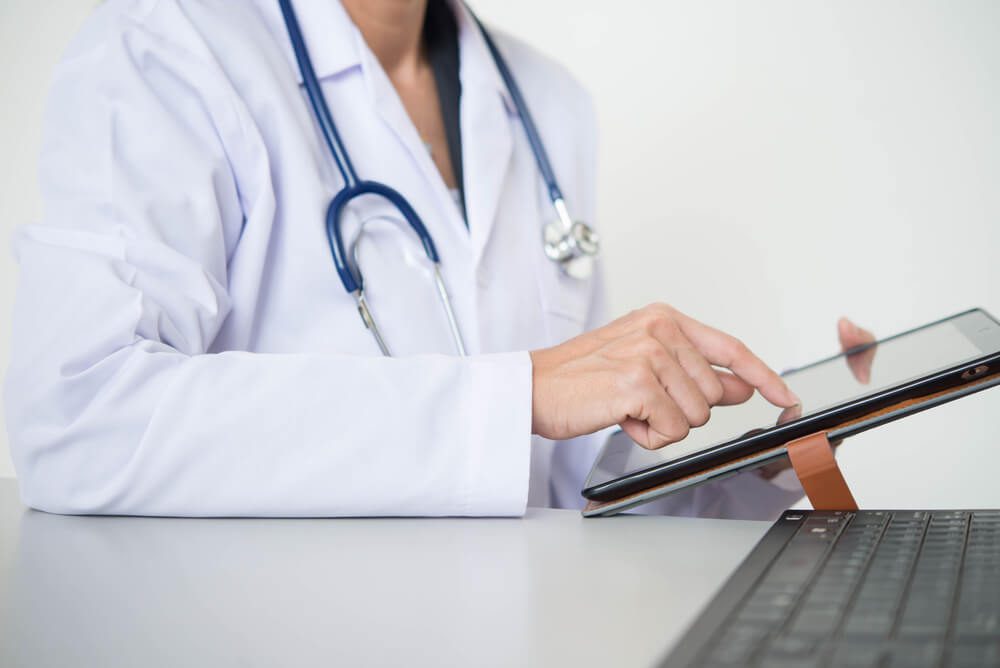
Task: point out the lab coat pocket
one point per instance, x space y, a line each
566 302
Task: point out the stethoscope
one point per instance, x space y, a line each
573 245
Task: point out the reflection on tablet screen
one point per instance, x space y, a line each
821 386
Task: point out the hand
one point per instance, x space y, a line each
852 336
651 372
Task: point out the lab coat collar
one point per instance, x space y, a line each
473 45
332 39
336 45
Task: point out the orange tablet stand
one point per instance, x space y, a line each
812 458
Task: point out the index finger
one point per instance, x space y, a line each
726 351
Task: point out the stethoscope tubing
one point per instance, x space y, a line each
316 99
354 282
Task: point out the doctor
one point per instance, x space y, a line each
184 343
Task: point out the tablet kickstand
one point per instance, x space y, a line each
812 458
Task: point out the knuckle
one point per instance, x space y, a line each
662 308
659 324
654 309
651 348
701 416
635 375
679 429
737 346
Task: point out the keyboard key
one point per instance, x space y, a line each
791 645
875 625
761 613
772 661
858 655
816 622
724 656
744 633
978 623
915 655
964 654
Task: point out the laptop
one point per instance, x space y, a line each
879 588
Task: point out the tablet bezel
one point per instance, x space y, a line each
745 448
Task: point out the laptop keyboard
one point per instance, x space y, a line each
873 588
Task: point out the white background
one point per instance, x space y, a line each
766 166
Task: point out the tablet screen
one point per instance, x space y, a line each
824 385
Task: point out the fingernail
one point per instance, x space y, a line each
795 398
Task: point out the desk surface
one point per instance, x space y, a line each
549 589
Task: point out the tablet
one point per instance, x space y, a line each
842 395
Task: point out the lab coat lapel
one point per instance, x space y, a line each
486 147
393 114
486 118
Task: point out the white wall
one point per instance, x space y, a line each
33 34
766 166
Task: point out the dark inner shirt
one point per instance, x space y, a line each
440 37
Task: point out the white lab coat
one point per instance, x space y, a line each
182 345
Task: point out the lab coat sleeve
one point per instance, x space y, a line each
114 404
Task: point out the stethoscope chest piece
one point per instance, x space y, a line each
571 244
574 250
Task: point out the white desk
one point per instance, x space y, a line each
550 589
